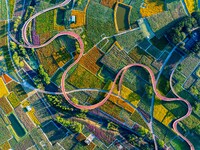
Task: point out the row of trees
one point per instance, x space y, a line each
19 52
74 126
57 102
43 74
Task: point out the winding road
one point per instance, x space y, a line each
120 73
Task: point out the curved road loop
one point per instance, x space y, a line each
121 72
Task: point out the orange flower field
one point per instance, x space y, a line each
152 7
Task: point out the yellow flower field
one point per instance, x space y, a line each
5 146
3 89
152 7
191 5
161 113
31 114
127 94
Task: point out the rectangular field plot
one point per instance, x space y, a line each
82 78
129 40
159 62
3 10
112 109
4 104
38 105
23 144
102 17
136 53
33 98
160 22
90 59
144 44
152 8
69 142
5 134
55 135
40 139
115 59
14 101
154 51
3 89
159 43
176 9
24 118
189 64
189 82
179 144
43 116
163 132
17 89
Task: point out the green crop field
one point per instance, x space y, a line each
100 21
4 134
129 40
3 10
17 89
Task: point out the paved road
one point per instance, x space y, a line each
121 72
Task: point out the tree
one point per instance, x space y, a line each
161 143
21 64
16 58
143 131
195 91
22 50
13 45
78 49
74 100
149 91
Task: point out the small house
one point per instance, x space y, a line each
89 139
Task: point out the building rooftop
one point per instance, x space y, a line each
89 139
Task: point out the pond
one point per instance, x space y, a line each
122 17
16 125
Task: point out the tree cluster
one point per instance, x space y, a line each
181 29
